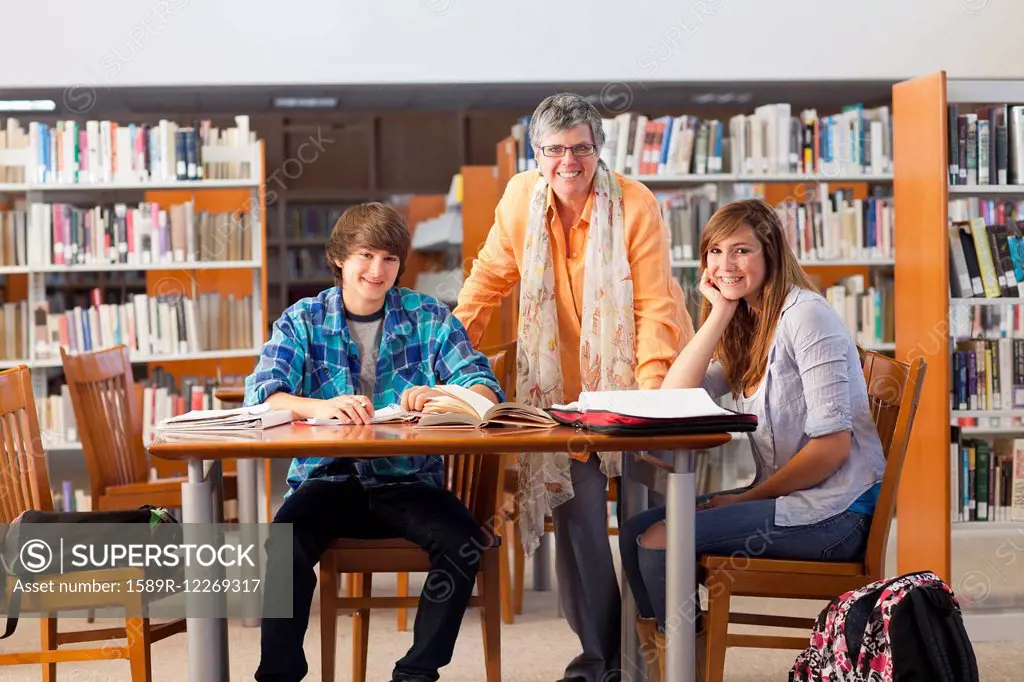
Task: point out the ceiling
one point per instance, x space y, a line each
611 97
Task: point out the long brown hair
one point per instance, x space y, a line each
743 348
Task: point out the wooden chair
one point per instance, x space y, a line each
24 485
109 419
503 364
894 389
474 479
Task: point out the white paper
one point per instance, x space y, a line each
655 404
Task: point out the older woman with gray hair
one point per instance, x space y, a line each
598 310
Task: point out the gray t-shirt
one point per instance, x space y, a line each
366 333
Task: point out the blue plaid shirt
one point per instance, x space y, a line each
311 354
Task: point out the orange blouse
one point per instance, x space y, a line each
663 324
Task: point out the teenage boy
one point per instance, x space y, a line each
358 346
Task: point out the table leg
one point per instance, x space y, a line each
248 518
207 638
682 604
542 564
633 498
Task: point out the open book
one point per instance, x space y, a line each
462 408
242 418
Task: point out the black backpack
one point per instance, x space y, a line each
98 526
905 629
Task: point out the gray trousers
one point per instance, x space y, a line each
587 586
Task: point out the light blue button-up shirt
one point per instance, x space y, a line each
814 386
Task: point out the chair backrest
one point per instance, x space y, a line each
474 480
24 483
503 363
894 391
109 417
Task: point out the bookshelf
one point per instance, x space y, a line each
932 532
174 212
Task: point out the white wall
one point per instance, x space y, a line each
117 43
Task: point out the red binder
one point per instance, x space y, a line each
604 421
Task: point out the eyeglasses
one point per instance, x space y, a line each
555 151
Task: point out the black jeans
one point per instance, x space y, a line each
321 511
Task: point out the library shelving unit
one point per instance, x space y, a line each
187 278
975 557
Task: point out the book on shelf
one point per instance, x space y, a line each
145 233
14 325
829 226
164 397
987 478
460 407
257 417
867 311
12 137
102 151
987 374
773 140
148 325
986 144
13 235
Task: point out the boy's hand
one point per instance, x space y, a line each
415 398
357 409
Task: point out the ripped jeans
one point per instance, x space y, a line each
744 530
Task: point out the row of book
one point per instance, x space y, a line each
986 321
987 374
986 145
304 264
987 479
840 227
103 151
770 141
986 260
312 222
161 396
836 226
149 325
867 311
65 234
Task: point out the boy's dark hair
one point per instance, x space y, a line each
372 225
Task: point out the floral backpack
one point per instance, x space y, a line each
905 629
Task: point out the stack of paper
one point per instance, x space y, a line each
676 403
240 419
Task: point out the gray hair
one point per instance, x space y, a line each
565 111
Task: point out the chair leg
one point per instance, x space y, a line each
402 590
139 641
519 568
361 629
328 622
508 615
716 626
48 640
490 617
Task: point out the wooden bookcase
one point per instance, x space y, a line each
927 537
243 278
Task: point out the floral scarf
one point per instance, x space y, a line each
607 340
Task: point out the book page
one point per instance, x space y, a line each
476 402
654 404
